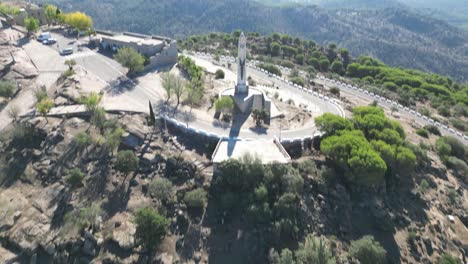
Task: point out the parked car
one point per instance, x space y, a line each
66 51
44 36
49 41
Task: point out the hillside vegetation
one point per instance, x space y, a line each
434 95
395 36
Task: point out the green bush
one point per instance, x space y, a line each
314 250
162 189
459 166
68 73
459 124
196 198
219 74
7 89
443 111
450 146
270 68
448 259
75 178
432 129
424 185
151 227
368 251
422 133
126 161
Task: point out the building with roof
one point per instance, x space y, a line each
160 51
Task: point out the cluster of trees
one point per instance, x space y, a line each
277 49
175 85
110 132
270 68
268 197
411 85
368 148
194 89
454 154
188 65
8 9
76 20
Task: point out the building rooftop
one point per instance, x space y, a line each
265 150
133 39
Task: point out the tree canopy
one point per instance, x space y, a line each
131 59
151 227
78 20
366 147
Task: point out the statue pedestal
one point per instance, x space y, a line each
245 102
242 89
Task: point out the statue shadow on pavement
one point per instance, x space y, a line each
238 120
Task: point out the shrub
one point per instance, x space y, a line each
196 198
335 91
456 149
162 189
270 68
41 94
432 129
452 196
68 73
411 236
314 250
126 161
448 259
422 133
225 105
7 89
76 220
75 178
44 106
459 166
151 227
459 124
368 251
424 185
443 111
219 74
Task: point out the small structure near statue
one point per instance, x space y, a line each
247 98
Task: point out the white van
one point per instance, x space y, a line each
44 36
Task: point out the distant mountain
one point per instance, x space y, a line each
397 37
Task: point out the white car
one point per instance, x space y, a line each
43 36
465 137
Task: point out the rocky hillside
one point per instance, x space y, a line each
396 36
